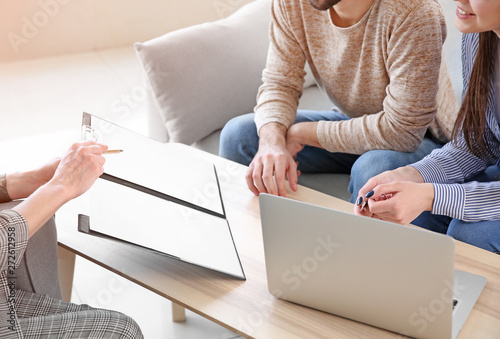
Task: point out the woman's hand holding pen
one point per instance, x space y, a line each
398 196
400 201
21 185
70 177
79 168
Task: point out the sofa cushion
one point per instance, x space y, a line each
204 75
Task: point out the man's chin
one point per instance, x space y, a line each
323 5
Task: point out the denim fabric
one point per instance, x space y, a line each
375 162
239 142
483 234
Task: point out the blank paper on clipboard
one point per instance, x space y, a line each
154 165
152 197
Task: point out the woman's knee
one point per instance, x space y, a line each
122 326
369 165
432 222
483 234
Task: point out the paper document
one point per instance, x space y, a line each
157 197
139 218
155 165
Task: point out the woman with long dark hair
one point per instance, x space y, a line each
454 190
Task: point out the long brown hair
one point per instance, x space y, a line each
471 118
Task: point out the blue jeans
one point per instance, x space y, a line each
483 234
239 142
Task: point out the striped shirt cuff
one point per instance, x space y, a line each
430 170
482 201
449 200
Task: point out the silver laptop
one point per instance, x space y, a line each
390 276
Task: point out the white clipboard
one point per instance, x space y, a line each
150 196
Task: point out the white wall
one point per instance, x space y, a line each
40 28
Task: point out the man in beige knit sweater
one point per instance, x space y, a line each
379 61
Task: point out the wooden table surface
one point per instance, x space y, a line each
246 307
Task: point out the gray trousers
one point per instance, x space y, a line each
41 312
38 271
41 316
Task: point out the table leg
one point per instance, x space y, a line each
178 313
66 271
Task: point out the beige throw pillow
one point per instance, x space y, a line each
204 75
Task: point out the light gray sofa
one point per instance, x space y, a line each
204 75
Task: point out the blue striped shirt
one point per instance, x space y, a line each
451 166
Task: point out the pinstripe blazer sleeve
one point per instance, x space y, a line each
449 167
13 242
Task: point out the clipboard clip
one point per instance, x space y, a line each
89 134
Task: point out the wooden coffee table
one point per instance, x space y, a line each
246 307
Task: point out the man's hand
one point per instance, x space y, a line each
293 142
272 164
300 135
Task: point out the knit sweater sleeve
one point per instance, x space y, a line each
283 77
413 60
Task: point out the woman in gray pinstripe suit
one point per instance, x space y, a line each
25 314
